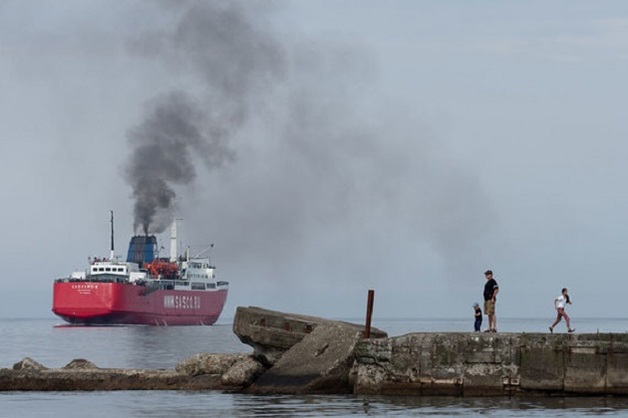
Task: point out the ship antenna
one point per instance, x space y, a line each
201 252
111 258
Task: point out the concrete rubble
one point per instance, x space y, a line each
304 354
298 354
80 374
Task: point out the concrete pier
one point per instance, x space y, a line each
472 364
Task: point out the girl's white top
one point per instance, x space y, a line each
560 302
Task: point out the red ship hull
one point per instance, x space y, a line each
101 303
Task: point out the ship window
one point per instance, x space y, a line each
198 286
108 269
211 285
101 269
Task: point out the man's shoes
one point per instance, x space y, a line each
551 330
571 330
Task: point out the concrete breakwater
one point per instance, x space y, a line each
228 372
474 364
335 358
297 354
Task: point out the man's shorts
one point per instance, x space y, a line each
489 307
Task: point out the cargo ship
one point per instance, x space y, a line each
144 289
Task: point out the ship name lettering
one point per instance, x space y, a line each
182 302
85 286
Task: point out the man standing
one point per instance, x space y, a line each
490 296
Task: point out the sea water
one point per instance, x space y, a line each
47 341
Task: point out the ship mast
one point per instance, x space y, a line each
173 241
111 254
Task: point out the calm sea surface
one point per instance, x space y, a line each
54 345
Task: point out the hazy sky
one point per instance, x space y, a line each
331 147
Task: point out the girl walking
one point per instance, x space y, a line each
560 303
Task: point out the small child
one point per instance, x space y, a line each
478 317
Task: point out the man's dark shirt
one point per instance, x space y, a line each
489 289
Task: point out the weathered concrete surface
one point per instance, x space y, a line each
492 364
320 363
272 333
432 364
208 363
238 370
305 354
206 372
242 373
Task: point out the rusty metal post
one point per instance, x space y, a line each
369 313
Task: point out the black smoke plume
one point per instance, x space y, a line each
163 148
234 61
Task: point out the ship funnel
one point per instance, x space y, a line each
142 249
